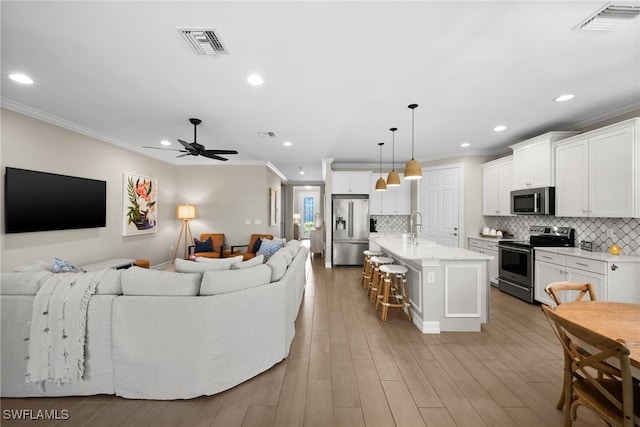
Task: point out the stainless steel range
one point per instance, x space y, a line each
516 258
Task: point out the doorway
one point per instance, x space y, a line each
306 206
439 194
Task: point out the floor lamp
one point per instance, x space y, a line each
185 213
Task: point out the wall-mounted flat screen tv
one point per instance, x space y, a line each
41 201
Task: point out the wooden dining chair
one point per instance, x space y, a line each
556 289
614 398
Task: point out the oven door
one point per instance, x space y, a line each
515 265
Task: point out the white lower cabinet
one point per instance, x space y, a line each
611 280
487 248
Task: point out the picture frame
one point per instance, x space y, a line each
140 205
273 207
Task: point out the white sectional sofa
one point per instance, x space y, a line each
166 335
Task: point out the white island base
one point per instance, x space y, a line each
448 287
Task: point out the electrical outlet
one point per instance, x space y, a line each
257 221
431 277
247 222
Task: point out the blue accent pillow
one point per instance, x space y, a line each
268 248
256 245
62 266
205 246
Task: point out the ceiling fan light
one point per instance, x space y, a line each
412 170
381 185
393 179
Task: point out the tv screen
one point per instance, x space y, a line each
41 201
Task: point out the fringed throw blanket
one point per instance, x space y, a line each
58 328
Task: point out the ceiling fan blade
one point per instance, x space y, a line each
184 155
214 152
167 149
213 156
186 145
221 151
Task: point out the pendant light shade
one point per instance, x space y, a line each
393 179
380 184
412 170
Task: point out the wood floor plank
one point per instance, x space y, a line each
375 407
403 408
421 389
269 385
489 410
450 363
171 414
291 405
235 405
204 411
437 417
259 416
320 360
348 417
319 405
343 379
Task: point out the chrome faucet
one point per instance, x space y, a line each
414 235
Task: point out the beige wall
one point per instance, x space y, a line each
225 195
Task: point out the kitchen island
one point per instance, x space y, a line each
448 287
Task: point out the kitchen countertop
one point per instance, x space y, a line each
599 256
426 250
490 239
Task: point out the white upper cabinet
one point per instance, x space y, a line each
392 201
597 173
497 183
533 161
350 182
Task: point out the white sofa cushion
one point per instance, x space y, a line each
252 262
221 282
142 281
110 283
287 254
38 266
278 264
203 264
25 283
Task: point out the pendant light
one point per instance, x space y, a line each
412 170
393 179
380 184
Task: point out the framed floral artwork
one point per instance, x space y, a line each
140 214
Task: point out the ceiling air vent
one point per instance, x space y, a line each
266 134
204 41
611 18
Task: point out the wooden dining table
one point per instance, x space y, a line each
615 320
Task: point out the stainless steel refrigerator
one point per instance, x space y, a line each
350 222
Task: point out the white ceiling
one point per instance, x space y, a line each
337 75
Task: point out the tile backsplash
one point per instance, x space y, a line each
391 223
626 230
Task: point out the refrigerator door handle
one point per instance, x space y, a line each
350 220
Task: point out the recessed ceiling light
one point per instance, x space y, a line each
499 128
565 97
287 144
165 142
21 78
300 171
255 79
465 145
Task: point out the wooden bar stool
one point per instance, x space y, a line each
367 268
394 291
376 279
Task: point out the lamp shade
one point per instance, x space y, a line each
393 179
381 185
412 170
186 211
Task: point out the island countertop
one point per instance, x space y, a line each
425 250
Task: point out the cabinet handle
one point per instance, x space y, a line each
582 264
546 257
614 267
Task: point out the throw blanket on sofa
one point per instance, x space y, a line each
58 327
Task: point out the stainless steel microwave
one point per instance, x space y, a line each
534 201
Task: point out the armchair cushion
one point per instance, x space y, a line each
205 246
256 245
215 249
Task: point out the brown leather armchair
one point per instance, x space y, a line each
248 254
217 242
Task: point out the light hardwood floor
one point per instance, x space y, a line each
347 368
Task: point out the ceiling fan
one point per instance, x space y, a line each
195 149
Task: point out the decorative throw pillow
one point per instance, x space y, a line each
205 246
256 245
257 260
268 248
62 266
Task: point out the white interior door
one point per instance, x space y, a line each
440 205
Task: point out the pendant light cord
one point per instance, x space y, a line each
393 148
413 107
